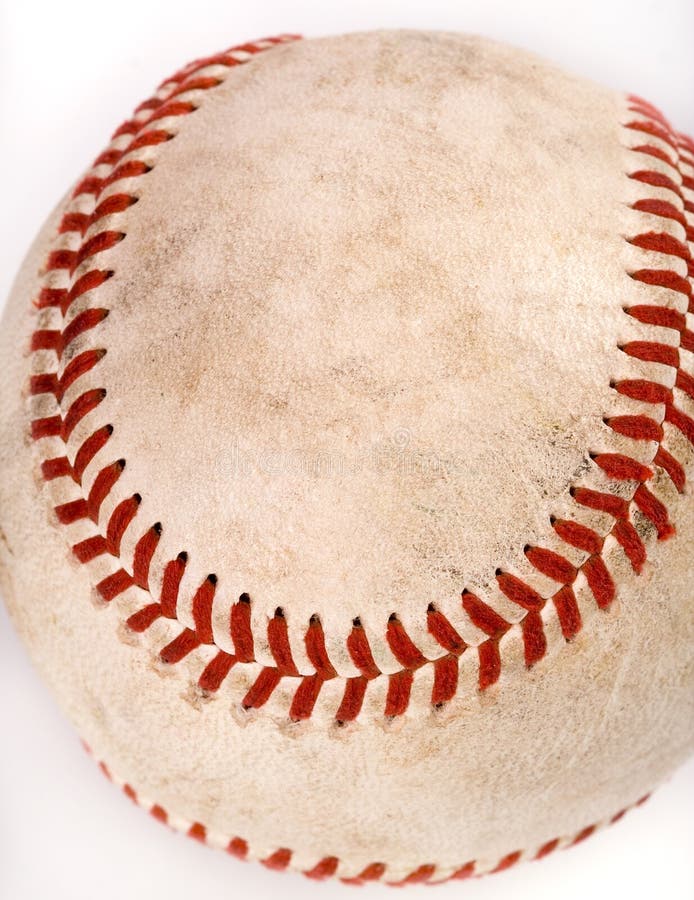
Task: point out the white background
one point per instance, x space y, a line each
69 72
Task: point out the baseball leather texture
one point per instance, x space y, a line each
347 432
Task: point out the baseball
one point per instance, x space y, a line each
347 438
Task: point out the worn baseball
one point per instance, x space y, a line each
347 432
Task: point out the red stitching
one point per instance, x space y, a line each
674 469
360 651
519 592
445 680
305 697
139 133
170 585
662 208
316 651
621 468
179 647
202 609
278 639
329 866
352 699
661 243
628 538
216 671
240 629
444 633
398 696
600 581
262 688
401 645
567 612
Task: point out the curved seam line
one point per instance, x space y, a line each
477 612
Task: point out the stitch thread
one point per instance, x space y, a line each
55 302
327 867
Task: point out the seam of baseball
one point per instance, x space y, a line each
70 283
326 867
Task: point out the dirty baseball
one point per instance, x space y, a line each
347 439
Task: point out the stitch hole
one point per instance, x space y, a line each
314 620
157 528
137 497
182 557
431 608
212 578
393 617
109 430
279 613
356 623
244 598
